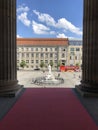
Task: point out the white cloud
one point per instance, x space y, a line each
61 24
23 18
43 17
52 32
18 36
22 8
61 35
39 28
65 24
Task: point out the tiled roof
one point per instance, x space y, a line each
43 41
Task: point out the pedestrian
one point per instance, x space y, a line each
74 76
58 74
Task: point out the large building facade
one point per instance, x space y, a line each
55 51
75 52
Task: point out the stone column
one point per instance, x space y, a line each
8 72
89 83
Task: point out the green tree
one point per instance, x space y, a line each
42 64
58 64
77 64
51 63
22 64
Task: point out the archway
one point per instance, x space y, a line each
8 76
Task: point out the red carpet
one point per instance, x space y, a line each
48 109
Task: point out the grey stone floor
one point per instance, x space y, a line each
70 78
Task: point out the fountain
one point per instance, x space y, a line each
49 76
48 79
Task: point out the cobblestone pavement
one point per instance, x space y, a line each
70 79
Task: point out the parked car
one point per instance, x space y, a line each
37 69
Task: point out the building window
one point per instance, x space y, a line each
42 55
17 54
77 49
51 55
37 55
63 55
27 55
70 58
36 61
75 57
36 49
51 49
22 54
63 49
17 61
55 49
32 49
72 53
32 55
37 66
46 61
55 55
51 61
46 49
27 49
41 61
41 49
71 49
27 66
46 55
27 61
22 49
55 61
32 61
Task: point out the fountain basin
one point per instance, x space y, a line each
44 81
48 79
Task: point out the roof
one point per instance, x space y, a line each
43 41
75 42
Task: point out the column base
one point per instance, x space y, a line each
85 93
12 91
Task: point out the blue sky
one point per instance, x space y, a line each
50 18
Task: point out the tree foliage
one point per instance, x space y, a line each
59 64
42 64
22 64
51 63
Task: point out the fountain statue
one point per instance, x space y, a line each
49 76
49 68
48 79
